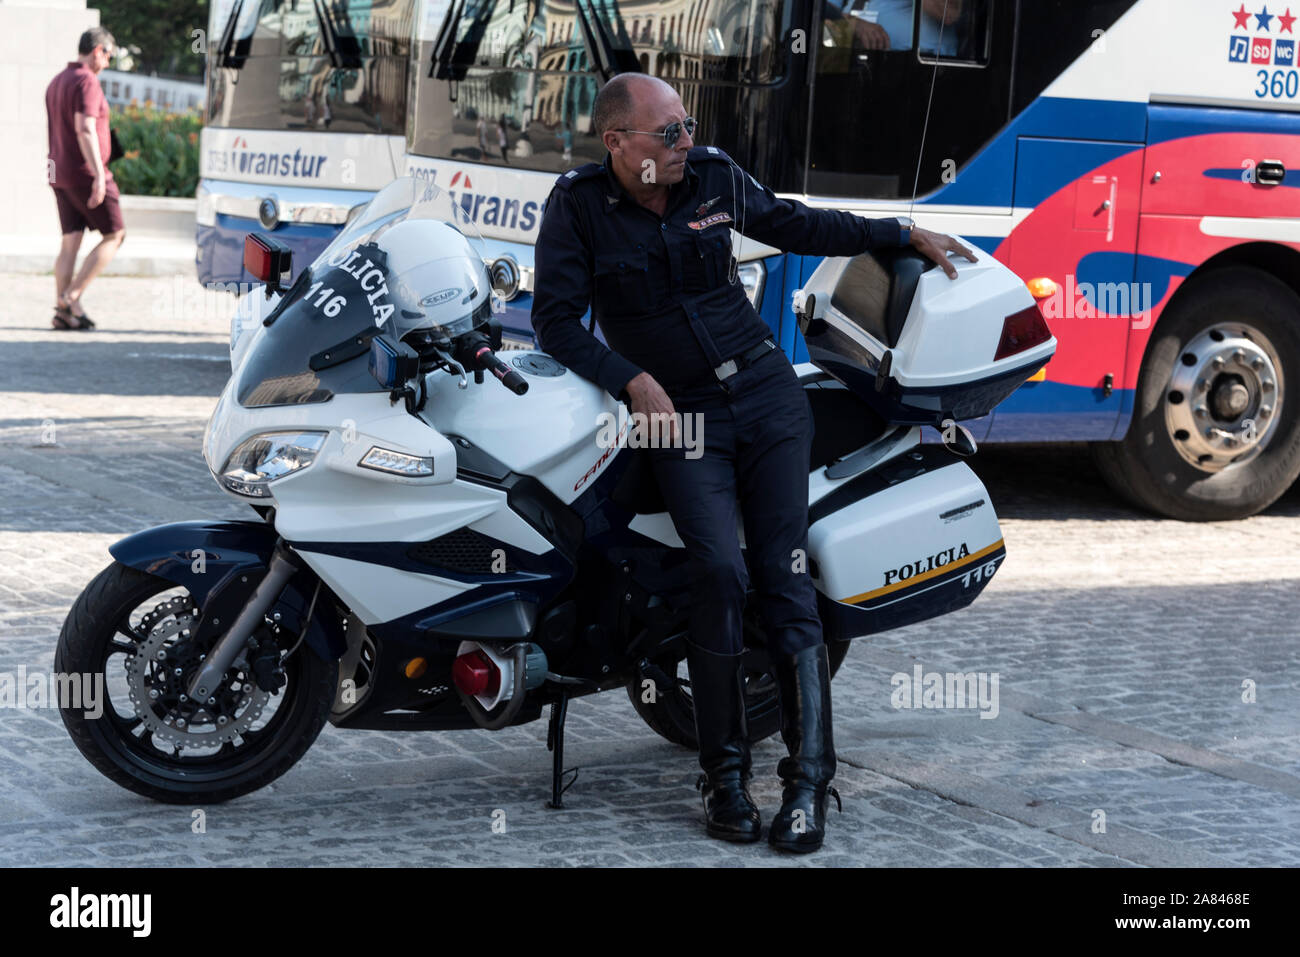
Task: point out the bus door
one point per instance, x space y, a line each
1083 237
874 64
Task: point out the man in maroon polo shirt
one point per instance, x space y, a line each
84 189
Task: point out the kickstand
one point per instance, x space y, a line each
555 744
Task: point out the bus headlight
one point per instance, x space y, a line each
751 276
205 206
259 461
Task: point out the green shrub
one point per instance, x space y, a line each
161 151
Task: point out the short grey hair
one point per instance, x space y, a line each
95 36
613 104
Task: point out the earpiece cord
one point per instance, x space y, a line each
926 127
733 270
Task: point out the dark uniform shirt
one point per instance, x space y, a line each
660 288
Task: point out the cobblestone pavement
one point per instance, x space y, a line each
1121 643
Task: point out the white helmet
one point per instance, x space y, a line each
436 279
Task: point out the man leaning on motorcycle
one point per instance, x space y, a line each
644 239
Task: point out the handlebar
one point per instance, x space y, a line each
486 359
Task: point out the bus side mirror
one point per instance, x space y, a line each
268 260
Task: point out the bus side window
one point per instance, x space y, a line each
949 29
955 30
873 70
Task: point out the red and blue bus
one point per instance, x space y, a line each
1137 162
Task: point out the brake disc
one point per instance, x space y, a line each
159 673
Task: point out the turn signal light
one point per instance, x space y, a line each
267 259
476 674
1042 287
1022 331
416 667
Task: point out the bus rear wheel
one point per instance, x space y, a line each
1215 434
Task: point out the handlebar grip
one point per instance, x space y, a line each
511 379
516 383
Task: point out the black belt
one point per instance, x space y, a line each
744 360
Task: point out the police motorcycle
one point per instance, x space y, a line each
440 550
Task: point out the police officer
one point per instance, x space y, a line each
645 240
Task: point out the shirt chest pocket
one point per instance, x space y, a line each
622 282
707 263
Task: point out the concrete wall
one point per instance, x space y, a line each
37 39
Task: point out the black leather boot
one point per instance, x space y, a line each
718 690
803 680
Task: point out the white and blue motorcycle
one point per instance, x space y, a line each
445 541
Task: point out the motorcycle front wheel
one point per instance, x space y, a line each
129 632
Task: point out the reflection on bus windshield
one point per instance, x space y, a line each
296 65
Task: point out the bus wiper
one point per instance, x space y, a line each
625 60
446 42
452 58
225 50
344 49
607 58
597 53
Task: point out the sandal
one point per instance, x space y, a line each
65 318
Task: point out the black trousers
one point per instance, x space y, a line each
756 440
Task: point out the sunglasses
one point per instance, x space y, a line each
671 133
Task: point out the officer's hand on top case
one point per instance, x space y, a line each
648 398
937 246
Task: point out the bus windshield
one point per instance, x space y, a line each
517 80
322 65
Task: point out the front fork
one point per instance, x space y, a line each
207 679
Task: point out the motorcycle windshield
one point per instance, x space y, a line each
410 262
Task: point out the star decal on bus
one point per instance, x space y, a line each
1264 18
1285 20
1243 18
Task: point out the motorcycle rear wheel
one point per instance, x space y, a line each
120 610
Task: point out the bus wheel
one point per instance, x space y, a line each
1215 434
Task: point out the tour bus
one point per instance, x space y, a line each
305 120
1135 161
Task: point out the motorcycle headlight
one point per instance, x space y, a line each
751 276
259 461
